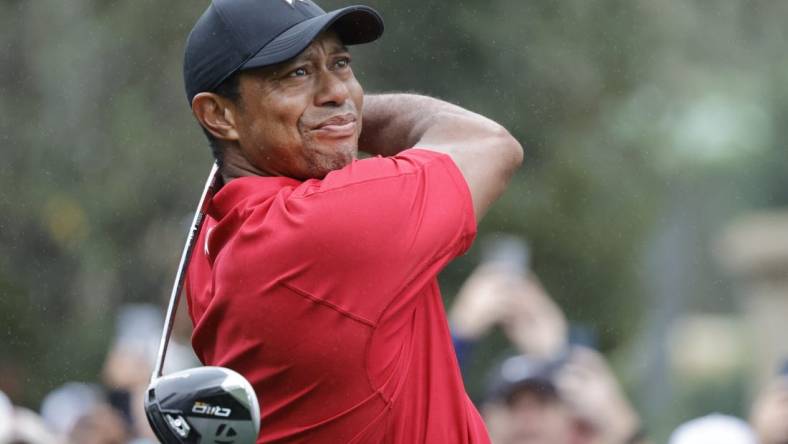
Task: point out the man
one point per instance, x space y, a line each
524 405
315 272
569 398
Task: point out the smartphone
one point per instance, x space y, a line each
507 250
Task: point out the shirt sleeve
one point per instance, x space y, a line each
379 229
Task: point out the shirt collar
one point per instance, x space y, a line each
256 188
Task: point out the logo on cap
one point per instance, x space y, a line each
291 2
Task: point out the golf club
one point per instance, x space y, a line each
204 404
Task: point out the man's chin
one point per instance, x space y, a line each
324 164
340 156
338 164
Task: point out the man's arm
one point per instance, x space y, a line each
486 154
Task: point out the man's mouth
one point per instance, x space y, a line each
337 127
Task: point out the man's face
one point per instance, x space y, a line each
538 419
301 118
534 417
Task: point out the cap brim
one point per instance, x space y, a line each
542 386
353 24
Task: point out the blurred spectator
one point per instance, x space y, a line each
112 412
769 415
64 406
102 425
22 426
593 394
130 360
715 428
552 393
81 413
137 335
572 398
503 292
523 405
6 410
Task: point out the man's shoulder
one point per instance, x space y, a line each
375 191
247 192
251 190
371 170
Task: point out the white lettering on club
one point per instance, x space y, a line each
212 410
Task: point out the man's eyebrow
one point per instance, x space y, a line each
309 52
305 54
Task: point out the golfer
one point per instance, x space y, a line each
314 275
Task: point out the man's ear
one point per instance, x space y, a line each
216 114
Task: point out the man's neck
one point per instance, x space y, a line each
235 165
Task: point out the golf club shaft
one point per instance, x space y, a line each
177 287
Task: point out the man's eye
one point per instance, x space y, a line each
343 62
298 72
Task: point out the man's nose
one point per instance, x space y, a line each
332 91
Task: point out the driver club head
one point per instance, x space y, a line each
203 405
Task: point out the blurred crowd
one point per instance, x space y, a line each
108 410
555 389
552 389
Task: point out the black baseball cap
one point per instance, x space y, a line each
524 372
234 35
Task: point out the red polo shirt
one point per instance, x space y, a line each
324 295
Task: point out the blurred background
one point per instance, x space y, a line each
654 195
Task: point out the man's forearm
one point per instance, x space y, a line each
486 154
395 122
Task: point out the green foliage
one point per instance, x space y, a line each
619 104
